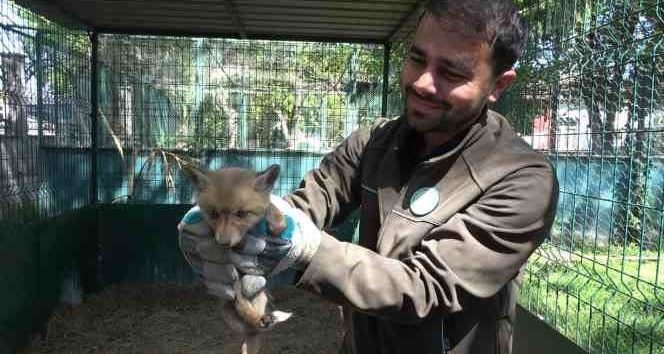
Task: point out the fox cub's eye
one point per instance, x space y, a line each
242 213
213 214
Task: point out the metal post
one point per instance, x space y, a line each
39 73
94 106
386 76
244 120
198 95
40 85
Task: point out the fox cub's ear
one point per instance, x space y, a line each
266 179
198 178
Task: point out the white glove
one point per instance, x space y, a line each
211 261
293 248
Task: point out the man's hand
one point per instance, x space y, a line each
269 255
212 262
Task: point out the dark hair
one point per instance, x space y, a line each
496 21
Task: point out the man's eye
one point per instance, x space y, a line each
451 75
242 213
416 59
213 214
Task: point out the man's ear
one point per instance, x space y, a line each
266 179
503 81
198 178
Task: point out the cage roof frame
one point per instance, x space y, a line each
358 21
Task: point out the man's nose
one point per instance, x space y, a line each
425 84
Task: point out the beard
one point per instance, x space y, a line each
424 123
440 117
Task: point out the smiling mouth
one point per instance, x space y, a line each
422 104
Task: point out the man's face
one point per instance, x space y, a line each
447 78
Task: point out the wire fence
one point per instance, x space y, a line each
45 165
44 105
589 97
227 102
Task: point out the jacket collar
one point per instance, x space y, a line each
405 136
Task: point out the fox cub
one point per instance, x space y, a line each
233 200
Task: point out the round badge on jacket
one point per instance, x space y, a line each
424 201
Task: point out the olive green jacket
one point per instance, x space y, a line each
444 281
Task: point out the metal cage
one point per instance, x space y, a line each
94 119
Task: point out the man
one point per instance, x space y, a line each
452 202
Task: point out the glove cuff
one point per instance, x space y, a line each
307 241
308 252
304 244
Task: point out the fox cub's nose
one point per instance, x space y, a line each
229 241
224 240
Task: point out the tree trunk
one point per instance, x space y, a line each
614 86
594 117
554 98
589 89
629 192
638 170
553 127
622 184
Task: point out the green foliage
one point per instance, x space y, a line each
244 94
214 122
60 56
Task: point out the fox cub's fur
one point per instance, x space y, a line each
233 200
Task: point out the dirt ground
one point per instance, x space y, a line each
167 318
